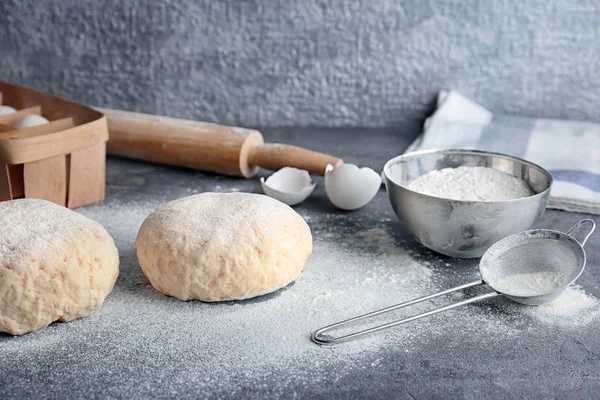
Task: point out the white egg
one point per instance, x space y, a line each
288 185
349 187
31 120
6 110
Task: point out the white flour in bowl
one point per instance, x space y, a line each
471 184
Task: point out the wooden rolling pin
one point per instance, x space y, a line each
204 146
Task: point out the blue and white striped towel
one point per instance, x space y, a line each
570 150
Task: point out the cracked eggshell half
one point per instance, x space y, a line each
288 185
349 187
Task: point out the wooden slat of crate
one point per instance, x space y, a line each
4 183
4 129
8 190
27 149
41 179
47 179
15 181
87 176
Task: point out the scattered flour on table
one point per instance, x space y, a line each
471 184
228 189
220 344
572 308
411 267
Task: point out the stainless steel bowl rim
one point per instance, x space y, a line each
466 151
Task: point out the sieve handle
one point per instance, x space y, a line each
580 223
319 338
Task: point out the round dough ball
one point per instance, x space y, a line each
223 246
55 264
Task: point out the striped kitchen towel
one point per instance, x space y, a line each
569 150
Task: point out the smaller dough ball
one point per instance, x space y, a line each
55 265
223 246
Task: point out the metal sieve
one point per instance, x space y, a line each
529 252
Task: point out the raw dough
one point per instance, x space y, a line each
55 264
223 246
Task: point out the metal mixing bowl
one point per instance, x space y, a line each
463 228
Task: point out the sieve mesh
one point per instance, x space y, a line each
529 255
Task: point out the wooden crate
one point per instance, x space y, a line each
63 161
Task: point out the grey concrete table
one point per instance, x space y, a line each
553 364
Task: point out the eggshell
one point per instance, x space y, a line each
288 185
31 120
349 187
6 110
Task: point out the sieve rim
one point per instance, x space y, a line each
561 237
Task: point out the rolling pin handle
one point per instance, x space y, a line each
277 156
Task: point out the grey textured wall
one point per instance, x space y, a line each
366 63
